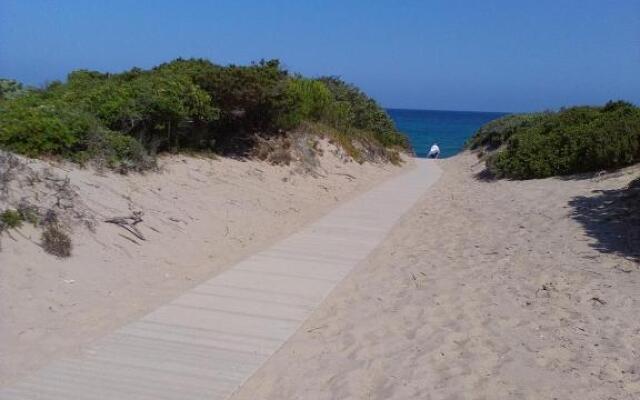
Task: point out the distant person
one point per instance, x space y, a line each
434 152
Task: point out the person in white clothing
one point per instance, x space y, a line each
434 152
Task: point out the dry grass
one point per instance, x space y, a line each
358 145
55 241
276 151
33 192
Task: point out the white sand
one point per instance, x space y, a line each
486 290
200 216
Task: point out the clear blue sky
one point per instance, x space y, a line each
502 55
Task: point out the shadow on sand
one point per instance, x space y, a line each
485 176
612 217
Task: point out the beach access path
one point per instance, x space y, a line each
205 343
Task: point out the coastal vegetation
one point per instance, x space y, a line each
10 88
10 219
572 140
123 120
54 239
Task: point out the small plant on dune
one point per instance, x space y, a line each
394 157
276 151
280 156
10 219
55 241
29 213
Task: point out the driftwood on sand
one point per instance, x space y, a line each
129 223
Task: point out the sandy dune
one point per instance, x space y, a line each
200 216
486 290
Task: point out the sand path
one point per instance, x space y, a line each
485 290
207 342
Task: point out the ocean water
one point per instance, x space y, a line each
450 129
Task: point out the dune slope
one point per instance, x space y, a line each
199 216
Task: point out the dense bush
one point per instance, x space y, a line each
307 100
117 151
35 124
495 133
183 104
10 89
159 108
573 140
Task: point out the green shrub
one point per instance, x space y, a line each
126 149
35 125
573 140
250 98
11 219
116 150
157 107
181 105
10 89
494 134
308 100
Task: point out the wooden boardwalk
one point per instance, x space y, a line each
207 342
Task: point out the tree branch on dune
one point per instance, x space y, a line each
129 223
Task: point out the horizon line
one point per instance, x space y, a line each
442 110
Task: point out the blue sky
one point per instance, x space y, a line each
492 55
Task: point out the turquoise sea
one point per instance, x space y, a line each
450 129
